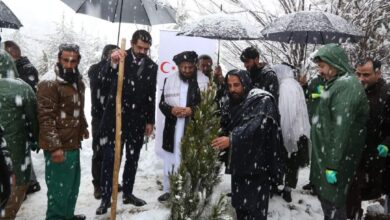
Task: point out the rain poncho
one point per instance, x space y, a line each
294 119
338 128
18 117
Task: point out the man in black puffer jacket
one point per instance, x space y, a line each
261 74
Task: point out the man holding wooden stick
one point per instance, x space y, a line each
138 108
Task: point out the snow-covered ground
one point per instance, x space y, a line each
148 186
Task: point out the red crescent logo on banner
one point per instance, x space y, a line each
165 69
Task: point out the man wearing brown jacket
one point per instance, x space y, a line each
62 127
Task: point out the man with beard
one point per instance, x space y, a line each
368 182
62 127
261 74
338 130
138 107
253 135
98 99
29 74
179 98
204 66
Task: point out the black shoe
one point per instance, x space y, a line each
103 208
286 195
120 188
308 186
97 193
33 187
133 200
229 194
164 197
79 217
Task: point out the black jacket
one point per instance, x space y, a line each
138 97
265 78
256 143
378 128
27 72
193 99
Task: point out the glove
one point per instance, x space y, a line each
34 146
331 176
383 150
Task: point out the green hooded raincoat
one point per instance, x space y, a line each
338 128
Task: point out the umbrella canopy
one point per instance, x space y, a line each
7 18
222 26
310 27
145 12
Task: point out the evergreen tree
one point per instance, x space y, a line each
192 186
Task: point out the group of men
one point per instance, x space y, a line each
344 123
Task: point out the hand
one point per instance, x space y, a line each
383 150
302 79
331 176
178 112
221 143
86 134
187 112
116 55
148 129
58 156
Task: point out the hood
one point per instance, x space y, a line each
334 55
7 66
283 72
243 75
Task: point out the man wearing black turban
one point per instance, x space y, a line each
179 98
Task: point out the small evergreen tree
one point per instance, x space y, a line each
192 186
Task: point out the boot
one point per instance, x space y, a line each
133 200
79 217
102 209
33 187
286 195
164 197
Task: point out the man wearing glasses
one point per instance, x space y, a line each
62 127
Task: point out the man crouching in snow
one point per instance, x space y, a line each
256 153
62 126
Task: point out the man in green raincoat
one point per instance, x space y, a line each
18 116
338 130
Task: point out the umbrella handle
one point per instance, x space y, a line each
219 48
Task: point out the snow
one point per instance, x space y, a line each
222 26
148 186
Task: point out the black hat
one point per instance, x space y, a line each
186 56
249 53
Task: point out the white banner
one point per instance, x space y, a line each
170 45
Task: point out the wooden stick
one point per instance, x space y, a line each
118 131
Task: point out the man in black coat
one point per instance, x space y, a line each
179 98
372 175
98 98
29 74
261 74
138 108
253 135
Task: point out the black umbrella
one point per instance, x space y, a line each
8 18
310 27
222 27
145 12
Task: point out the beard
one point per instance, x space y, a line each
69 75
236 98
